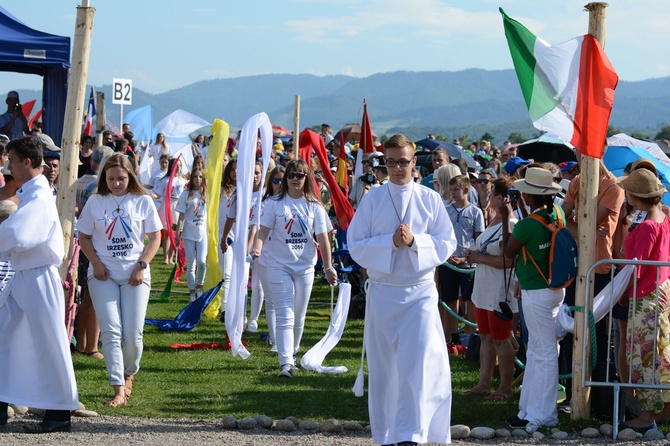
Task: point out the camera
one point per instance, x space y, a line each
18 107
513 194
368 178
505 312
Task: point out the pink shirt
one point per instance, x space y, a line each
649 241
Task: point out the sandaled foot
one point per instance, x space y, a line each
477 392
95 355
118 400
499 396
129 385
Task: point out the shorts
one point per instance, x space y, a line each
489 323
454 284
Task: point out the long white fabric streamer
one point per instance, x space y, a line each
246 161
605 300
314 357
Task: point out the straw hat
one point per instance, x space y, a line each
538 181
644 163
642 183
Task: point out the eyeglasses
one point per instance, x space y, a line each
398 163
483 181
276 180
294 175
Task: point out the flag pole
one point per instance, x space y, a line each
76 94
586 225
100 117
296 128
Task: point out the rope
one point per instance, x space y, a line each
459 270
459 318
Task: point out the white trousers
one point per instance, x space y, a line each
256 293
540 379
226 264
289 292
121 309
261 272
196 262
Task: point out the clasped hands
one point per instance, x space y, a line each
403 236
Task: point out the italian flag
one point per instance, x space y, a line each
568 88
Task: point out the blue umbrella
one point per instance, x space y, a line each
452 150
618 157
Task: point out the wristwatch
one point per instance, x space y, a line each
143 264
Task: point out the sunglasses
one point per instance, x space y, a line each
294 175
276 180
483 181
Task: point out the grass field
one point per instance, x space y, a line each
212 384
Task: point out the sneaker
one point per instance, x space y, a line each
286 371
295 362
273 348
565 407
198 293
516 423
192 298
252 326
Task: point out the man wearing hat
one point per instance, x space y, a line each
13 122
52 169
378 165
569 169
512 166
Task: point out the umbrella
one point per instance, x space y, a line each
353 132
617 157
653 147
452 150
279 131
547 148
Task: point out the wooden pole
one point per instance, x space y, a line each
100 117
586 225
76 92
296 128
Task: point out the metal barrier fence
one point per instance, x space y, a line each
617 386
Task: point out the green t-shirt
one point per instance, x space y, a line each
536 238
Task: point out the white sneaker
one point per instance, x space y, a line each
273 348
198 293
252 326
192 298
286 371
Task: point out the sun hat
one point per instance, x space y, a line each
644 163
642 183
12 94
538 181
513 164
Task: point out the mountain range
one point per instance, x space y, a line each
472 102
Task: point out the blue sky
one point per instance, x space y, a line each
165 44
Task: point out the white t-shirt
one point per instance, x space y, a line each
488 289
293 224
224 204
232 207
195 212
117 226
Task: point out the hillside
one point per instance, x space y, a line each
472 101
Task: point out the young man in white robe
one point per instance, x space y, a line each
35 363
400 233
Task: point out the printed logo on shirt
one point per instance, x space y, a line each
118 233
296 232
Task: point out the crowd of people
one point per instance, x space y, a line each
434 246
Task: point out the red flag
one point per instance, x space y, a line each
342 175
34 119
367 142
343 210
27 108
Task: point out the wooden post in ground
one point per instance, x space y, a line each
76 92
586 224
100 117
296 128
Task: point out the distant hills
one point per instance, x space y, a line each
472 101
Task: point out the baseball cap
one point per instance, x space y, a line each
48 142
513 164
567 167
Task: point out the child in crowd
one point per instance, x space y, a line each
468 223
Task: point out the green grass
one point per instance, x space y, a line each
212 383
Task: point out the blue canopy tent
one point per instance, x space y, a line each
617 157
25 50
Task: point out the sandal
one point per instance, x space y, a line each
117 401
96 355
129 385
476 392
499 396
